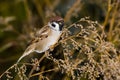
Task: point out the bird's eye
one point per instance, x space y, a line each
53 25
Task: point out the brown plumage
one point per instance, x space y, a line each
45 37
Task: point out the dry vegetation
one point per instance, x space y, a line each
88 49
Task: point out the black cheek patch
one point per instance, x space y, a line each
61 26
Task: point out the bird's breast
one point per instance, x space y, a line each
52 38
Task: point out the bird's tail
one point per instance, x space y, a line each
24 54
20 58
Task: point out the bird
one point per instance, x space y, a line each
46 37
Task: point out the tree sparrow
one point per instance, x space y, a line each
45 37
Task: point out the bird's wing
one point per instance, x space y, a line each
43 31
40 35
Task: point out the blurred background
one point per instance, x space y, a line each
19 19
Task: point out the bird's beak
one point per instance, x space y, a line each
61 24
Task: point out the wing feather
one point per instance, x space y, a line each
39 35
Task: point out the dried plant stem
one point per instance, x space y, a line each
112 21
48 3
35 66
39 9
75 42
7 70
108 14
13 67
64 40
71 10
44 72
28 13
55 3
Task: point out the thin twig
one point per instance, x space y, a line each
44 72
35 66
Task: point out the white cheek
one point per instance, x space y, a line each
56 26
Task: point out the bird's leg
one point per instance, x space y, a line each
47 53
52 47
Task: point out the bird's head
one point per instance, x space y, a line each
56 23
